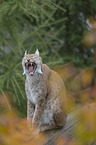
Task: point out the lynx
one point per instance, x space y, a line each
45 94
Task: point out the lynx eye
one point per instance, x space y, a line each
31 67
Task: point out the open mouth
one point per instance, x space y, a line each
31 67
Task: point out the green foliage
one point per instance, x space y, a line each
57 27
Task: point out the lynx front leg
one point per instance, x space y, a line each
30 112
38 113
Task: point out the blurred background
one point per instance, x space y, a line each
65 33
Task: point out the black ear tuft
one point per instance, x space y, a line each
36 47
26 52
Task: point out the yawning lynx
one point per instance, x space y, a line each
45 93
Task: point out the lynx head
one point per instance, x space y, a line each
32 63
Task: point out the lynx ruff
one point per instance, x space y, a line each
45 94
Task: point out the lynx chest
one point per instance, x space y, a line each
35 88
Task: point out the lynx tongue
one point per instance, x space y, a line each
31 70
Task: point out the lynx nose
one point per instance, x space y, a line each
28 60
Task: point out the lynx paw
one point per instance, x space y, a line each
46 127
35 129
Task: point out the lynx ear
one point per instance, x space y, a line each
37 52
26 52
